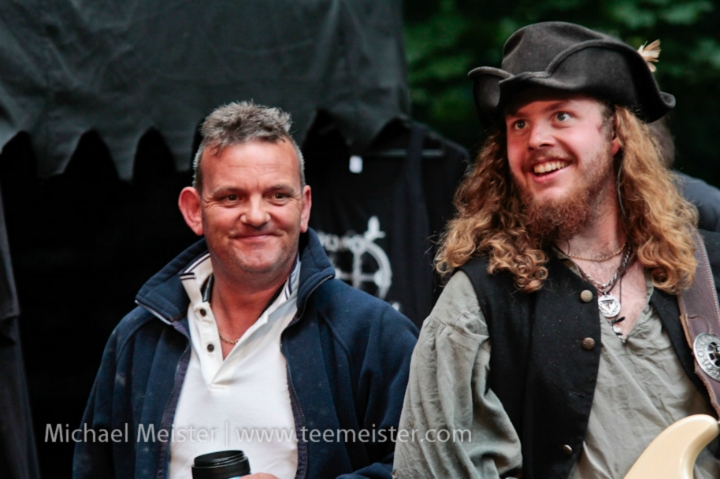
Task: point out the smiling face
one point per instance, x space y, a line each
252 209
560 150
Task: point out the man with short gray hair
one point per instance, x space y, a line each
246 341
241 123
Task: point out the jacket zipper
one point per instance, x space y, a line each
164 447
294 397
163 453
304 305
295 400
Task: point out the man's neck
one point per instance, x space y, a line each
594 242
602 238
237 305
602 235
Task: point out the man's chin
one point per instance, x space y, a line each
264 266
558 218
258 267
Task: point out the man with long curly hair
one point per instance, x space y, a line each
555 349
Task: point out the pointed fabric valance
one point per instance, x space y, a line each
122 67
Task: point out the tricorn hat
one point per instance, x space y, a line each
570 58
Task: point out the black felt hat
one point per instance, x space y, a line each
570 58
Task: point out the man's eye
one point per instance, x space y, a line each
519 125
280 196
231 197
562 116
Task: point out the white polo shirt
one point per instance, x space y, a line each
243 401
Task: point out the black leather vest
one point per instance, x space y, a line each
544 366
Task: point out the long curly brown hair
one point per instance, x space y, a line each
658 221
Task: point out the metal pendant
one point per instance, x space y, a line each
609 305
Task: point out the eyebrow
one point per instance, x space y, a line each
221 191
224 190
282 187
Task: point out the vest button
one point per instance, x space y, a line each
588 344
567 450
586 296
202 312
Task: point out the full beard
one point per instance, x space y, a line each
560 219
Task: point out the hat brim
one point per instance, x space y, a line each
607 70
486 91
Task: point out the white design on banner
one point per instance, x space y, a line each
368 264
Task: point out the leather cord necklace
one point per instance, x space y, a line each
608 304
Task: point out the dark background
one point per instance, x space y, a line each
447 38
99 106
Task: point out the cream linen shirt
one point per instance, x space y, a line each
641 389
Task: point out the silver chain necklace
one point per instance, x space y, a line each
608 304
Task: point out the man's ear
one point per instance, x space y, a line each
615 142
189 203
306 207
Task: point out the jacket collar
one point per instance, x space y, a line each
164 296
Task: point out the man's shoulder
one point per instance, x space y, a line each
137 321
349 309
489 286
337 295
712 246
477 267
367 329
712 241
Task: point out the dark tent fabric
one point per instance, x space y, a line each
82 244
107 91
379 215
18 458
123 67
9 304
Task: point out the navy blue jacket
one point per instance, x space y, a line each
348 356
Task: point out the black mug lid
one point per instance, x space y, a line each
220 465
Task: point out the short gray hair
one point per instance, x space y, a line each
242 122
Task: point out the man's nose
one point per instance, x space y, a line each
255 213
540 136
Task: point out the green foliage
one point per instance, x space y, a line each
447 38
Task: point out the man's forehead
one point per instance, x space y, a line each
543 95
260 156
217 149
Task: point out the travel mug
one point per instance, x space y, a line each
221 465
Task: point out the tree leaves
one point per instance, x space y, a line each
447 38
